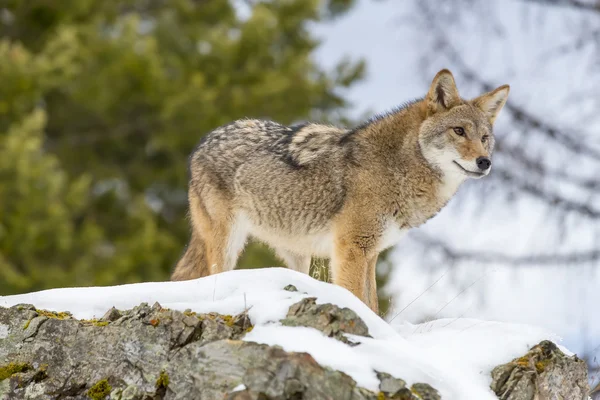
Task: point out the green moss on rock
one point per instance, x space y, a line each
100 390
541 365
54 314
6 371
189 313
229 321
95 322
163 380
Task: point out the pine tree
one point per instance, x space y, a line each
101 104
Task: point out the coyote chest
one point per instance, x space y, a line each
392 234
415 208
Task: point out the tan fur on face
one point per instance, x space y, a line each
318 190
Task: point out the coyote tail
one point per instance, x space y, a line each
193 264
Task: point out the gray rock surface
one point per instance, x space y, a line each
155 353
330 319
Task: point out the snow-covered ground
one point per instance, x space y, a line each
453 355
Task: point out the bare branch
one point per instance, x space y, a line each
517 154
552 199
578 4
571 259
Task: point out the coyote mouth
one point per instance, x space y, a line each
472 174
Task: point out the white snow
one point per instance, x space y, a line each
239 388
453 355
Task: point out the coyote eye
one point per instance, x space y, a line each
459 131
484 138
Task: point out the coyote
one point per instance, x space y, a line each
318 190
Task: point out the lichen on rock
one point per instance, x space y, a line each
544 372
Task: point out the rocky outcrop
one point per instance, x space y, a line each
544 372
156 353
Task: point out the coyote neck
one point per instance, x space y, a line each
416 190
396 132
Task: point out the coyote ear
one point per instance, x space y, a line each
443 93
492 102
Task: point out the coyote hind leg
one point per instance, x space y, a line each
217 234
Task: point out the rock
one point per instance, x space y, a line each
425 391
111 315
290 288
391 388
328 318
156 353
544 372
128 351
389 385
32 325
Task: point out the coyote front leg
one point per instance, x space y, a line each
372 284
354 255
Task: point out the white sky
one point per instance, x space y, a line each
564 299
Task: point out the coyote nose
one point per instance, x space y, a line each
483 163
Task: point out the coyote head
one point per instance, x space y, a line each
456 137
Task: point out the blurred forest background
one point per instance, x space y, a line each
101 103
